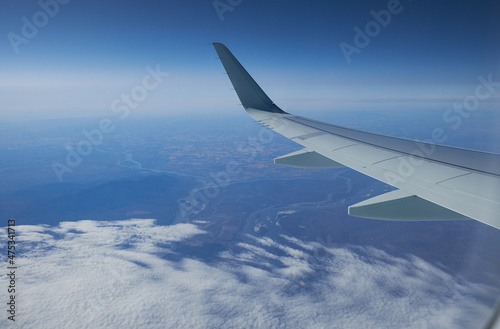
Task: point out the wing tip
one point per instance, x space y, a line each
249 92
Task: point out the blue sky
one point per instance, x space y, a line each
90 52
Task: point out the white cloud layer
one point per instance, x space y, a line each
90 274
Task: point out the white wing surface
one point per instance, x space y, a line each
434 182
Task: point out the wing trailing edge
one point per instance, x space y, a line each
306 159
394 206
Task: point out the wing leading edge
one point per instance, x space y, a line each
435 182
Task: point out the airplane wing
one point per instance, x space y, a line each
434 182
493 321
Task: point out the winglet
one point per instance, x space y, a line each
249 92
